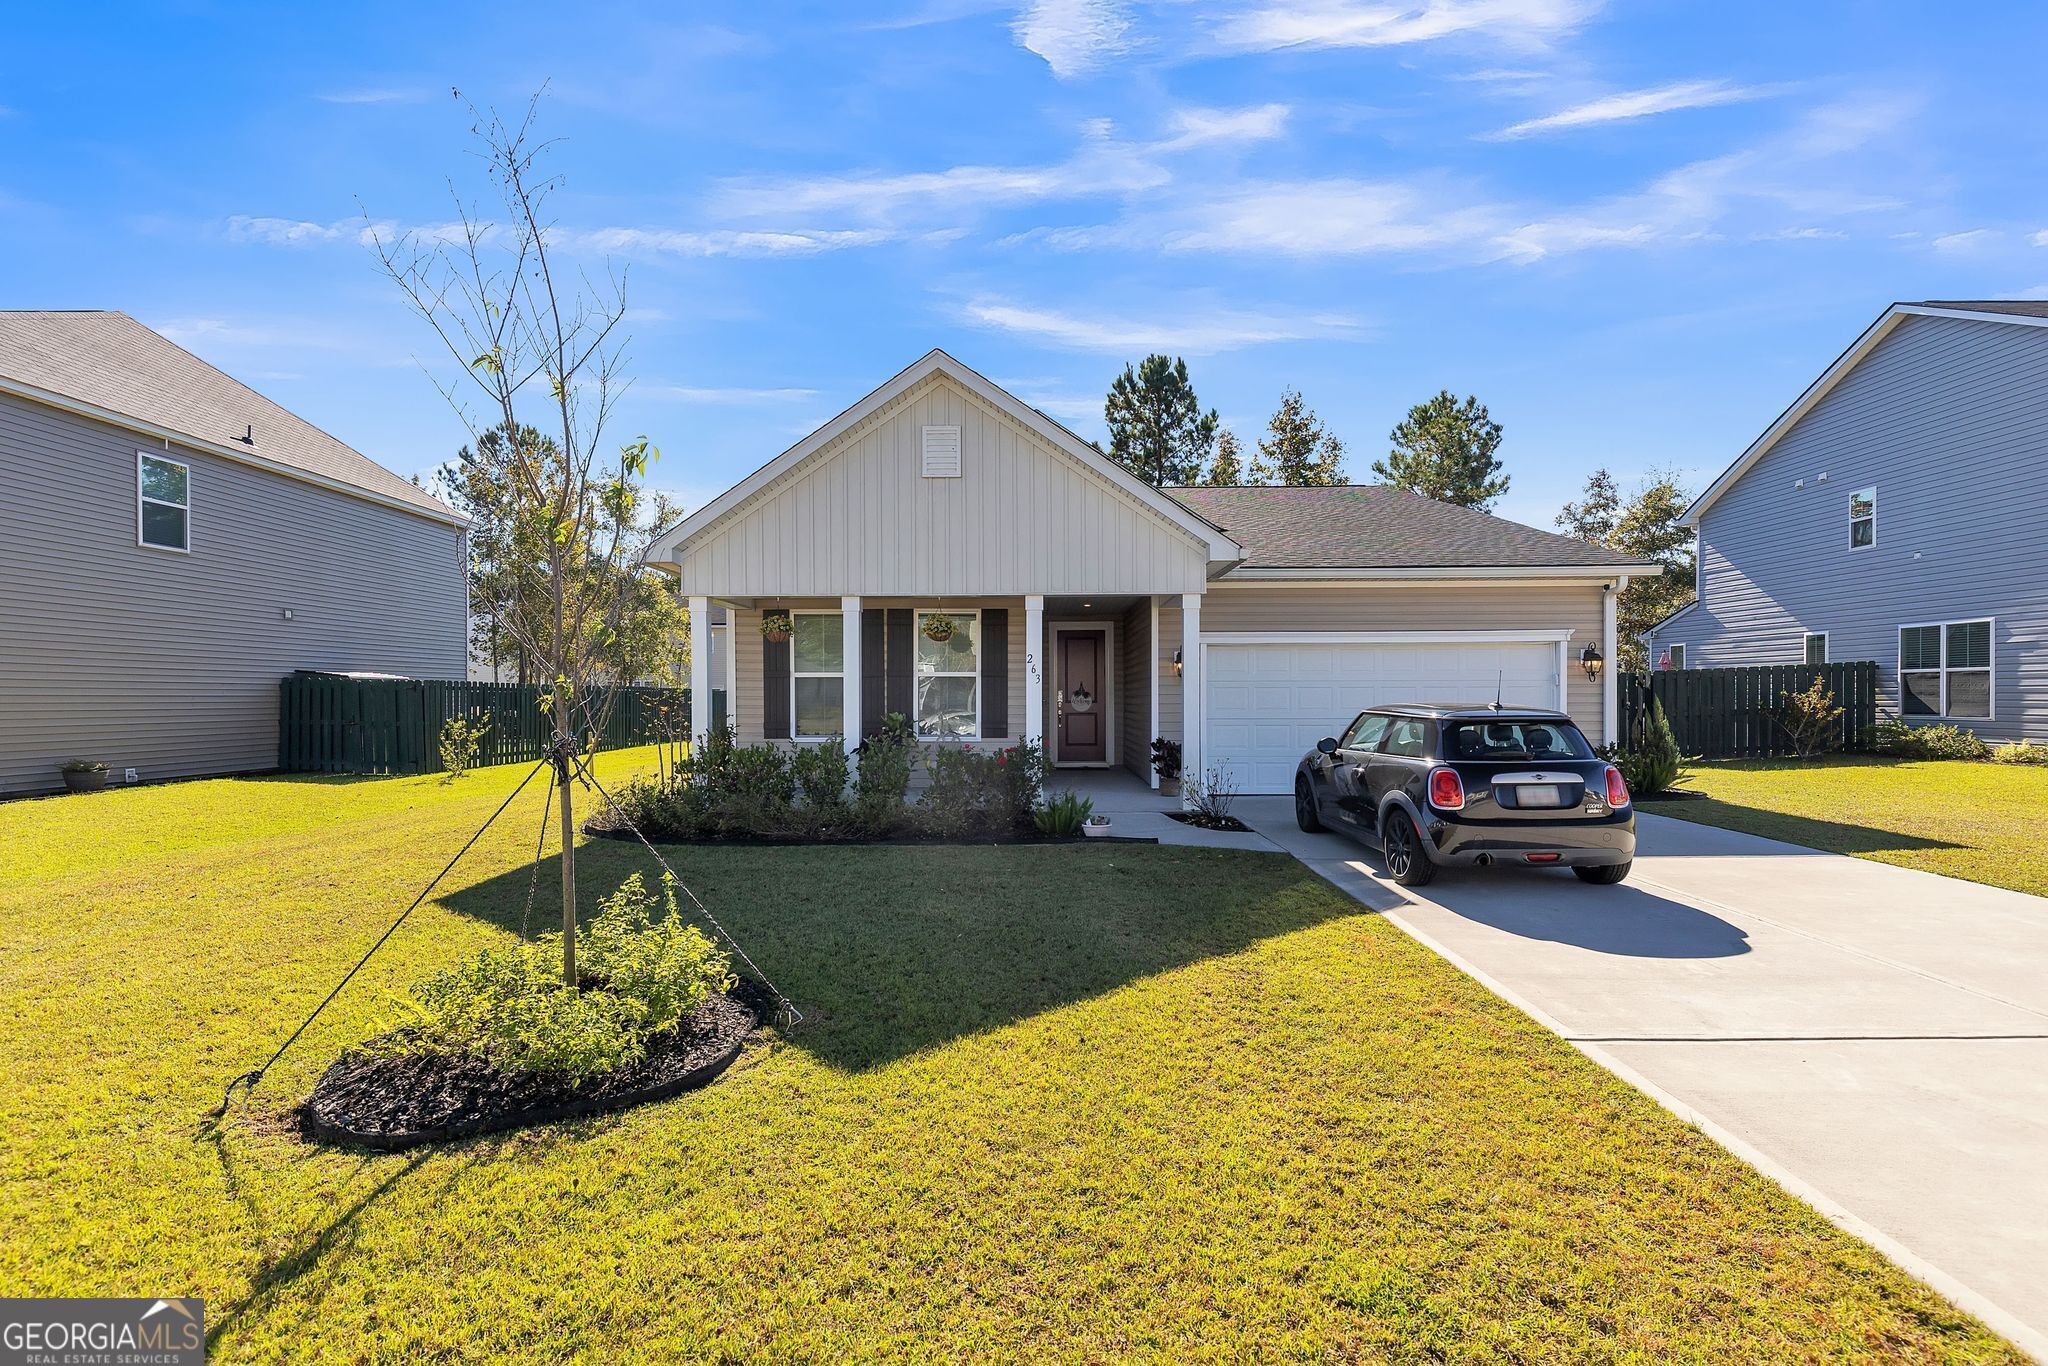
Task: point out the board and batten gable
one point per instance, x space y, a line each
169 662
1948 419
860 516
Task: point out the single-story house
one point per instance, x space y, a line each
1083 608
1894 513
172 544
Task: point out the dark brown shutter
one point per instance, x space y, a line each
874 669
995 672
902 656
774 683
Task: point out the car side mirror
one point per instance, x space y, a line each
1327 745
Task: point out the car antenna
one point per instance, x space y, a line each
1498 676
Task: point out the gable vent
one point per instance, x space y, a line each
941 452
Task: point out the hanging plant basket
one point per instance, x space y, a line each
939 628
776 627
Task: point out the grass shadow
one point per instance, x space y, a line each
1832 837
891 950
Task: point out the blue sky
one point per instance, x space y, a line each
1636 231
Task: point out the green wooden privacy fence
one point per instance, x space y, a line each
1733 713
331 723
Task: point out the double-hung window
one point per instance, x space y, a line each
1945 670
163 502
1862 518
949 676
817 674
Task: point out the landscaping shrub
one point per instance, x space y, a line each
976 793
461 737
820 773
643 978
1063 815
2020 752
1894 737
1811 720
1651 761
1210 799
1166 759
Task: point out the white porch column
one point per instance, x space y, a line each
1152 668
700 673
1034 669
849 629
1610 645
1191 718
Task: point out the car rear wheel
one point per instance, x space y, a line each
1606 875
1305 805
1407 860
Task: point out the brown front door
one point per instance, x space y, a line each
1083 716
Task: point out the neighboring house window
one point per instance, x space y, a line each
1674 656
163 491
949 678
1816 647
817 674
1862 518
1945 670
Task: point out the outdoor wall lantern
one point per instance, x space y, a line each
1176 663
1592 663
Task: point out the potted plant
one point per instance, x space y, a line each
776 627
939 628
84 775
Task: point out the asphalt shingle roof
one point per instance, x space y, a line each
2020 308
111 361
1374 526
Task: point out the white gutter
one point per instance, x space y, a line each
169 434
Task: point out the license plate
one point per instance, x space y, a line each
1538 794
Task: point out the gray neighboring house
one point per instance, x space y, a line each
1898 512
172 543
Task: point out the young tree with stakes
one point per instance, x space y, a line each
526 336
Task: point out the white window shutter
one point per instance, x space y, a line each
942 452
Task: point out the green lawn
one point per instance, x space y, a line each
1079 1103
1977 821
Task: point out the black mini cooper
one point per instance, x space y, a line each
1470 786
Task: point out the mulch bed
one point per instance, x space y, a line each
405 1100
1028 835
1229 824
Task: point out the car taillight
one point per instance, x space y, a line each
1617 789
1446 792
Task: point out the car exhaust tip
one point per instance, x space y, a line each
1484 860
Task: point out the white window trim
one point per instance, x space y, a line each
1678 660
1990 669
1107 628
141 501
1824 646
916 673
1854 519
838 625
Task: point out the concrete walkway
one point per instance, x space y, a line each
1873 1038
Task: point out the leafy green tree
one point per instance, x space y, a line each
1297 449
1228 466
1157 429
1444 450
1646 525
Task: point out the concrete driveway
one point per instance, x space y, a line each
1874 1038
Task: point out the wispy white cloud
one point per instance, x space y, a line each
378 95
1203 127
1972 240
1387 23
690 393
1194 334
1636 104
1074 37
2040 239
622 241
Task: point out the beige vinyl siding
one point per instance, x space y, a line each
169 663
1493 605
748 681
1170 707
859 517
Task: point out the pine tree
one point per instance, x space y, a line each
1444 450
1157 430
1297 449
1646 525
1228 467
1593 518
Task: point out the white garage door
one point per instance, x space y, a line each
1269 704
